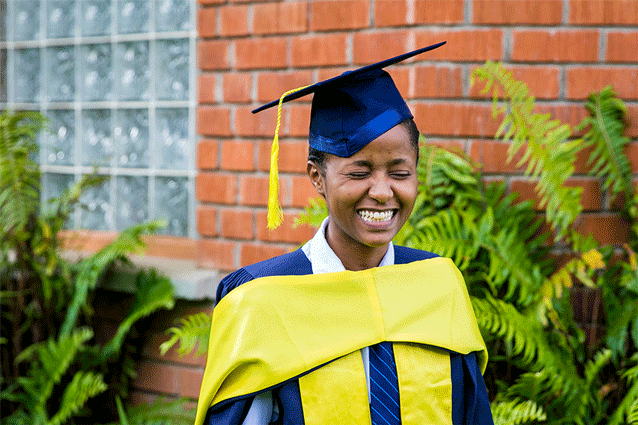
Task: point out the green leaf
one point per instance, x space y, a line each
83 386
153 291
193 332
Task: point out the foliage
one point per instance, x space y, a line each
54 371
159 412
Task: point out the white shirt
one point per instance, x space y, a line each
323 260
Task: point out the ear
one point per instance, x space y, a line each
316 178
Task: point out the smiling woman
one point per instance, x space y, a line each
349 328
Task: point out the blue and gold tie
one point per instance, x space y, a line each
384 387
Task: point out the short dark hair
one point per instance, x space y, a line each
319 157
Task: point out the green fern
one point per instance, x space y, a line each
632 417
83 386
548 154
53 359
153 291
606 127
19 174
90 269
193 332
312 214
517 412
159 412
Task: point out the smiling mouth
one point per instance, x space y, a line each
376 216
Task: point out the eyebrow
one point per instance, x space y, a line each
364 163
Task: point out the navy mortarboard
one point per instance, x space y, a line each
348 112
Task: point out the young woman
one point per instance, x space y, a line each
350 328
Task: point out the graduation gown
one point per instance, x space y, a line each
465 403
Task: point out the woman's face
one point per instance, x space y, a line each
369 195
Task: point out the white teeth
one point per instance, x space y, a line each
376 216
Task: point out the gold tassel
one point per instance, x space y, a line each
275 214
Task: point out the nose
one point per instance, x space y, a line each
380 189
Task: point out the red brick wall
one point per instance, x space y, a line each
250 52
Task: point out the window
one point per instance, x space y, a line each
117 80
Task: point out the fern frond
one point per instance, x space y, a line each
517 412
524 335
595 365
82 387
626 406
153 291
159 412
606 127
53 359
548 154
312 214
193 332
632 417
19 174
90 269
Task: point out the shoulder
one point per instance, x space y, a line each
404 255
292 263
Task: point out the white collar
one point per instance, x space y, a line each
323 258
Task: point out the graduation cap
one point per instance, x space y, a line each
348 112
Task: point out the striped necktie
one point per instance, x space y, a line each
384 387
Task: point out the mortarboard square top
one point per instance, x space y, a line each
351 110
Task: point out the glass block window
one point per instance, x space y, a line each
117 80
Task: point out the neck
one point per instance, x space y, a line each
353 255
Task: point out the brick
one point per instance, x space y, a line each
237 224
207 88
462 45
213 55
342 15
254 253
234 20
555 46
543 81
253 190
631 152
299 120
603 12
455 119
581 82
216 254
591 199
207 22
509 12
492 155
280 18
390 13
325 73
207 151
259 53
154 376
437 12
401 78
450 145
365 46
237 87
271 86
607 229
285 232
213 121
319 50
301 191
190 382
210 2
207 221
170 247
293 156
438 81
215 187
238 155
622 47
632 117
261 124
